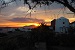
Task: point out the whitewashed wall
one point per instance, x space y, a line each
61 25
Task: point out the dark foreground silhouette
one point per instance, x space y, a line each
20 40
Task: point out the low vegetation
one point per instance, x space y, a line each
26 40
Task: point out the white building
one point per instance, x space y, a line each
61 25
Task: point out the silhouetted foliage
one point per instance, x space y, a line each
17 30
3 34
42 33
71 30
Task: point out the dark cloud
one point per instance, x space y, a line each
50 7
26 20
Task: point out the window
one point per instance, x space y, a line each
63 22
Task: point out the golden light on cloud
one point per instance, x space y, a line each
71 19
15 24
47 16
28 24
18 24
37 24
48 20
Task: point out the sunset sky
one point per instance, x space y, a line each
16 15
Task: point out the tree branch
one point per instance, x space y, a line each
67 5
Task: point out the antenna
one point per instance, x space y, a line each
0 10
59 12
45 9
64 9
72 13
30 14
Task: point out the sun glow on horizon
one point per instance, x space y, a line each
28 24
18 24
13 24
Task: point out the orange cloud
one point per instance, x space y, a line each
71 19
17 24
